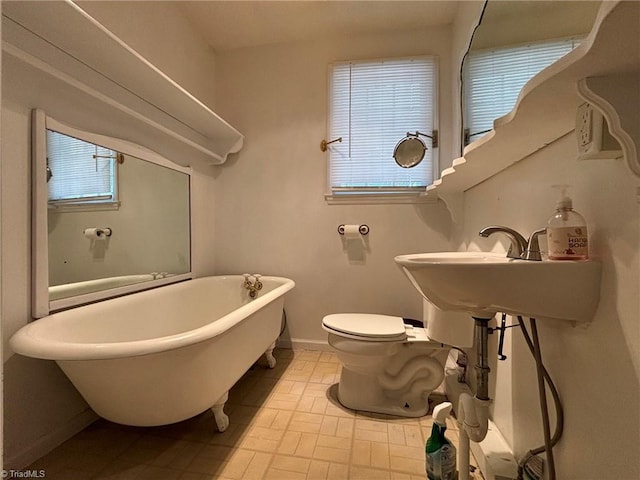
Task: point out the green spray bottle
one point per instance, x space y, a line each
440 452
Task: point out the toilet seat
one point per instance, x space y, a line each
366 327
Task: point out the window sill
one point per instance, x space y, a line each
361 198
83 207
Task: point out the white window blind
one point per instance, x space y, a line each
373 105
494 78
82 172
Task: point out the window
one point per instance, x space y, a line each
373 104
81 173
494 78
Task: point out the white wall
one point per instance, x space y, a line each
41 407
161 33
271 216
596 368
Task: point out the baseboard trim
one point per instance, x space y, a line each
303 344
50 441
494 457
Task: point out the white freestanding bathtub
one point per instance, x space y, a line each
162 355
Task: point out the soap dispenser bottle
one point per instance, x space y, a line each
440 452
567 236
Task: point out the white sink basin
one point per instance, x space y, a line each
486 283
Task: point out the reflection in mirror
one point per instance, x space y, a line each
513 42
410 150
117 217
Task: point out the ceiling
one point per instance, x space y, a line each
228 25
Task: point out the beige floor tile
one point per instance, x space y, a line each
289 442
329 357
257 466
237 464
339 455
396 434
118 470
232 436
194 476
309 355
290 386
361 453
282 419
219 452
264 433
275 474
306 403
369 424
286 423
72 474
259 444
154 473
338 471
362 473
318 470
316 390
291 464
282 401
206 465
413 436
335 442
380 455
406 451
307 445
371 435
402 476
408 465
336 410
345 427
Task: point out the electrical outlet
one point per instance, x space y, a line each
593 136
584 126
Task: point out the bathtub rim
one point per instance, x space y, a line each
29 342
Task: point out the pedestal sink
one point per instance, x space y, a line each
486 283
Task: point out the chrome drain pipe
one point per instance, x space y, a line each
482 355
473 415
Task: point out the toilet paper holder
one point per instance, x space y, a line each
97 233
363 229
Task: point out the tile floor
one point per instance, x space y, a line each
285 424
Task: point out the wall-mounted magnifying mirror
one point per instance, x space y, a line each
410 151
86 184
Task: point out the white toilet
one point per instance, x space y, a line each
390 366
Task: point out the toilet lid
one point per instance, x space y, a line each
366 325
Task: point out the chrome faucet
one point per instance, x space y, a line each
254 286
518 242
520 247
533 246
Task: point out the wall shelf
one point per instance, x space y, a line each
81 73
546 108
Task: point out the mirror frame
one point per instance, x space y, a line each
41 305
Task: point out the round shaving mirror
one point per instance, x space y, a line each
409 151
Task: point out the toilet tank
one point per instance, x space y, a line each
451 328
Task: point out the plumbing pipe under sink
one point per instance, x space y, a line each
473 412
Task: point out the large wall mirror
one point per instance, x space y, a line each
513 41
109 217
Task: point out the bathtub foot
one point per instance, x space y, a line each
222 419
271 360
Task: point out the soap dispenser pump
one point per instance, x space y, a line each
567 235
